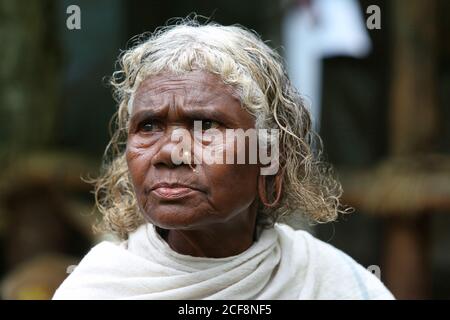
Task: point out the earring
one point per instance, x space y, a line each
262 191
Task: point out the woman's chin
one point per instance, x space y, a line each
177 219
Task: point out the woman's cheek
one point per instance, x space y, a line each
138 155
143 141
138 145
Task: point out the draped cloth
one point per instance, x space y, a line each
281 264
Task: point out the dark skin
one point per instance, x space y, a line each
209 212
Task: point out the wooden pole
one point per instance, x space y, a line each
413 123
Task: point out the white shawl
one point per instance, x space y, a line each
282 264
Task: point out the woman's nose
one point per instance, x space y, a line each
175 148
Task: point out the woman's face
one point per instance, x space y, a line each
175 196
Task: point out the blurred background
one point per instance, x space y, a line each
376 75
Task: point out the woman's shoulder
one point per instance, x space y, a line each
334 273
103 263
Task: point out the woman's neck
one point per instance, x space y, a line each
215 240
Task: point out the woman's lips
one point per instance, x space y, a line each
172 192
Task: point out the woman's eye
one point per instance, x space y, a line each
149 127
209 124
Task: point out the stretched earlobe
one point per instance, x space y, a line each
262 190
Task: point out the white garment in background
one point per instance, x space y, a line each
326 28
282 264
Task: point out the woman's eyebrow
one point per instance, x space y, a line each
147 113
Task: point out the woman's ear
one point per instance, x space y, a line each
270 185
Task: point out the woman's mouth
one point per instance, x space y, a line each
172 192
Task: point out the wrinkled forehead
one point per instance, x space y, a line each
194 87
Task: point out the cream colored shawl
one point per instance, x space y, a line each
282 264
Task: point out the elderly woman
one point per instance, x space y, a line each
192 228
